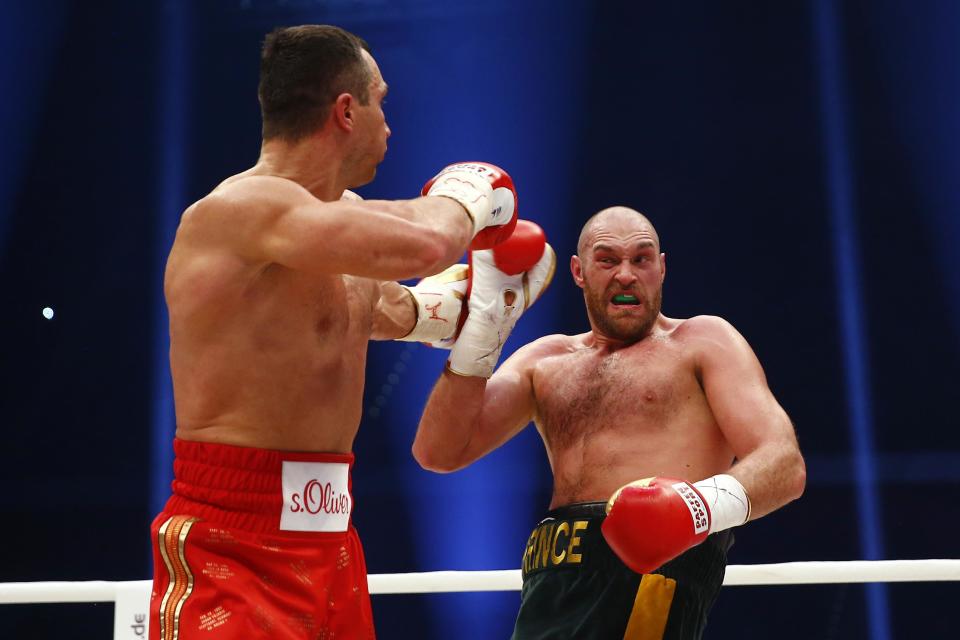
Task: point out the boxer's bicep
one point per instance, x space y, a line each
736 388
769 464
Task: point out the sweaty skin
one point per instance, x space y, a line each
275 284
639 395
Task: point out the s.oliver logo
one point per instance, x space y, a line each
316 496
320 497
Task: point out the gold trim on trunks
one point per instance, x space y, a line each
172 539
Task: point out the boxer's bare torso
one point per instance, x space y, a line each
262 355
608 417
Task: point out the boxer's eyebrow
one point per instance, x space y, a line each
640 244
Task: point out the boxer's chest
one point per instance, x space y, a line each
634 388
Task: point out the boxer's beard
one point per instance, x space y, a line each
627 328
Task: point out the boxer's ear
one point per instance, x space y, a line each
576 268
342 112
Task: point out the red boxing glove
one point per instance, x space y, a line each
522 250
487 193
652 521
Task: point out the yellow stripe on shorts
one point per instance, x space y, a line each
651 607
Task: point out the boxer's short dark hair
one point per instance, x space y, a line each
302 71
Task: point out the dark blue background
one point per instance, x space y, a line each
799 160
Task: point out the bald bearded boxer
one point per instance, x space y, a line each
275 283
662 435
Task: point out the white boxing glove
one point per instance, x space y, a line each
504 282
486 192
438 300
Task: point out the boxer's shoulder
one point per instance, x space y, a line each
240 200
551 352
241 217
556 344
704 327
250 192
709 339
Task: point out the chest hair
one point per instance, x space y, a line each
584 394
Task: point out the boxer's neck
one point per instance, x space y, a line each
313 163
597 339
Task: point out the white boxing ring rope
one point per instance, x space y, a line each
132 597
841 572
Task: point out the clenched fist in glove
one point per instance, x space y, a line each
652 521
504 282
487 193
439 302
519 268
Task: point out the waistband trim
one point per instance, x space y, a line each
247 488
578 510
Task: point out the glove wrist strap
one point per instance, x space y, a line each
727 500
474 193
438 302
477 349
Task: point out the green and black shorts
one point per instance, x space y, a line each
574 585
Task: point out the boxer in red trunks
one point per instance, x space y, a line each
276 281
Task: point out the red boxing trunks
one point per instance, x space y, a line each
258 544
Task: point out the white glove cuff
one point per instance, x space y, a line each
727 499
472 190
438 301
481 339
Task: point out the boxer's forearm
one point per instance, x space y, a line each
449 421
772 475
441 216
395 314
